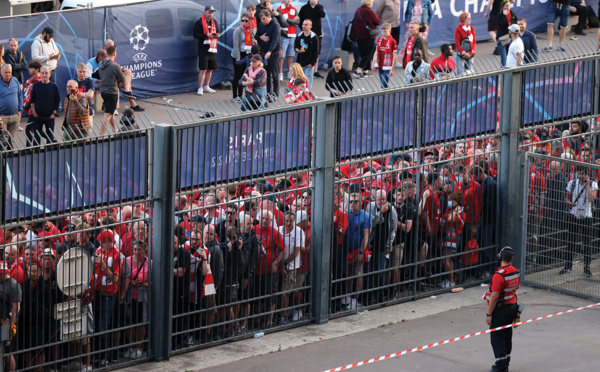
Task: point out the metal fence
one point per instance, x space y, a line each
341 204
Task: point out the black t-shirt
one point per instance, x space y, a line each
182 259
406 212
85 86
10 292
496 7
563 2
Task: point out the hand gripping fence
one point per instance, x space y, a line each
420 348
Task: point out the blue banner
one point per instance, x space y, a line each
460 109
48 182
377 124
241 149
558 92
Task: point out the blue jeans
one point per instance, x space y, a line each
256 100
502 50
309 72
463 65
356 53
558 10
103 311
384 77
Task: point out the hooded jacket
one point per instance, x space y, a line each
110 75
41 51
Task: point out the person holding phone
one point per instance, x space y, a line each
77 113
45 51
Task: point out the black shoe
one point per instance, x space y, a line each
128 95
317 75
565 270
586 272
496 52
138 108
579 31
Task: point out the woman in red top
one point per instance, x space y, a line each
296 72
452 225
466 43
363 18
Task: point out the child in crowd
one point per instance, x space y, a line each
385 55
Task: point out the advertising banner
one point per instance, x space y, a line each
72 177
241 149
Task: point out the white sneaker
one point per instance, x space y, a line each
297 315
136 354
281 77
85 368
75 365
346 300
209 89
200 92
127 353
444 283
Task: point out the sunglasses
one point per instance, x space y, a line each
230 213
245 20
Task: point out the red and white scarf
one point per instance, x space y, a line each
247 39
469 32
213 30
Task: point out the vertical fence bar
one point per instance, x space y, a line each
510 171
322 208
163 171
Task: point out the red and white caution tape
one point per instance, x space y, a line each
420 348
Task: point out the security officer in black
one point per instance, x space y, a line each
502 308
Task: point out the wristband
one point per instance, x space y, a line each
486 314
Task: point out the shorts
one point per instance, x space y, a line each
87 310
563 12
245 294
287 46
110 102
396 254
139 313
206 60
492 23
265 285
300 279
209 302
355 269
432 241
289 280
227 293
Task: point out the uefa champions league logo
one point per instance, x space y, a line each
139 37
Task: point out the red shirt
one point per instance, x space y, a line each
385 52
537 186
432 205
291 12
408 53
472 195
453 229
272 243
340 222
442 64
499 284
113 261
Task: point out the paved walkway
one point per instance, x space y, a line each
568 342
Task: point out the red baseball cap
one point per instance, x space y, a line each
248 190
105 236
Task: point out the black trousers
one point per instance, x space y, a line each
580 238
582 12
273 69
502 340
366 48
238 71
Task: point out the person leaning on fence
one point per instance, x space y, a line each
10 301
300 92
417 71
254 80
251 250
141 268
77 119
339 80
181 293
443 66
365 29
385 55
581 194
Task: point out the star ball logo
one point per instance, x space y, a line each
139 37
142 67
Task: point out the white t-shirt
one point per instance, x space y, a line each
295 239
583 205
516 47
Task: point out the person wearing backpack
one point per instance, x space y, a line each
365 27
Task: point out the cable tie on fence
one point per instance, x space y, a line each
421 348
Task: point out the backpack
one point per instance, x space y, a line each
349 36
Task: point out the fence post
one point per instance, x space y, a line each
322 209
163 175
510 175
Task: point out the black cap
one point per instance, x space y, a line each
209 8
49 31
283 184
199 218
17 228
355 187
71 227
542 133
